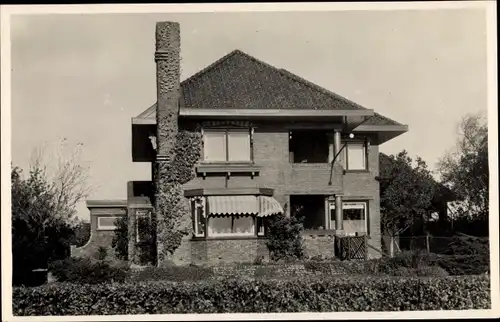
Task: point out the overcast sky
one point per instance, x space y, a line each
83 77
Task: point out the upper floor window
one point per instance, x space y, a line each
227 145
308 146
354 156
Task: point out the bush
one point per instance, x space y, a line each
120 238
468 246
241 296
429 271
284 240
102 253
173 273
87 271
465 265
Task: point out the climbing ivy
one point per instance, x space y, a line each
173 219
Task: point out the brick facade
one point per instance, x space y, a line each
271 154
98 237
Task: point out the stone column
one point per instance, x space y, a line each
331 147
336 143
339 220
167 58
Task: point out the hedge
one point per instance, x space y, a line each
173 274
266 295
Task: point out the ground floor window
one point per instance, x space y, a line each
354 215
228 220
262 225
231 226
199 216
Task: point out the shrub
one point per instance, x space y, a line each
263 295
284 240
173 273
120 238
87 271
102 252
468 246
259 260
465 265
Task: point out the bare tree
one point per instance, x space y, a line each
62 169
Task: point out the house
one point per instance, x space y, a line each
241 141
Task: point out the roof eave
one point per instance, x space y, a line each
206 113
106 203
384 132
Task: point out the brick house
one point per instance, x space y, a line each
271 143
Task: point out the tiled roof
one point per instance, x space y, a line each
239 80
378 119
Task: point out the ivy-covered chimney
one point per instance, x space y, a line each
167 57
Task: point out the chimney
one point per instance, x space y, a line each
167 58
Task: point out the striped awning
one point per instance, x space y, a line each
269 206
233 205
261 206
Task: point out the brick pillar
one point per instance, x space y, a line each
167 57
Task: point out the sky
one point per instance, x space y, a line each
83 77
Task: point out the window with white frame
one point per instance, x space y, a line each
227 145
198 214
107 222
219 226
354 156
262 226
354 216
214 226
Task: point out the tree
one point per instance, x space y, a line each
65 174
82 233
465 169
37 235
43 209
406 192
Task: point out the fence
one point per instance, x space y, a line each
430 243
352 247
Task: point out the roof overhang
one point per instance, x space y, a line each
106 203
261 114
200 113
383 132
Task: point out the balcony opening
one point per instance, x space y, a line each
310 209
309 146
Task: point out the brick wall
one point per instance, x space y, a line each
319 245
213 251
271 154
98 237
